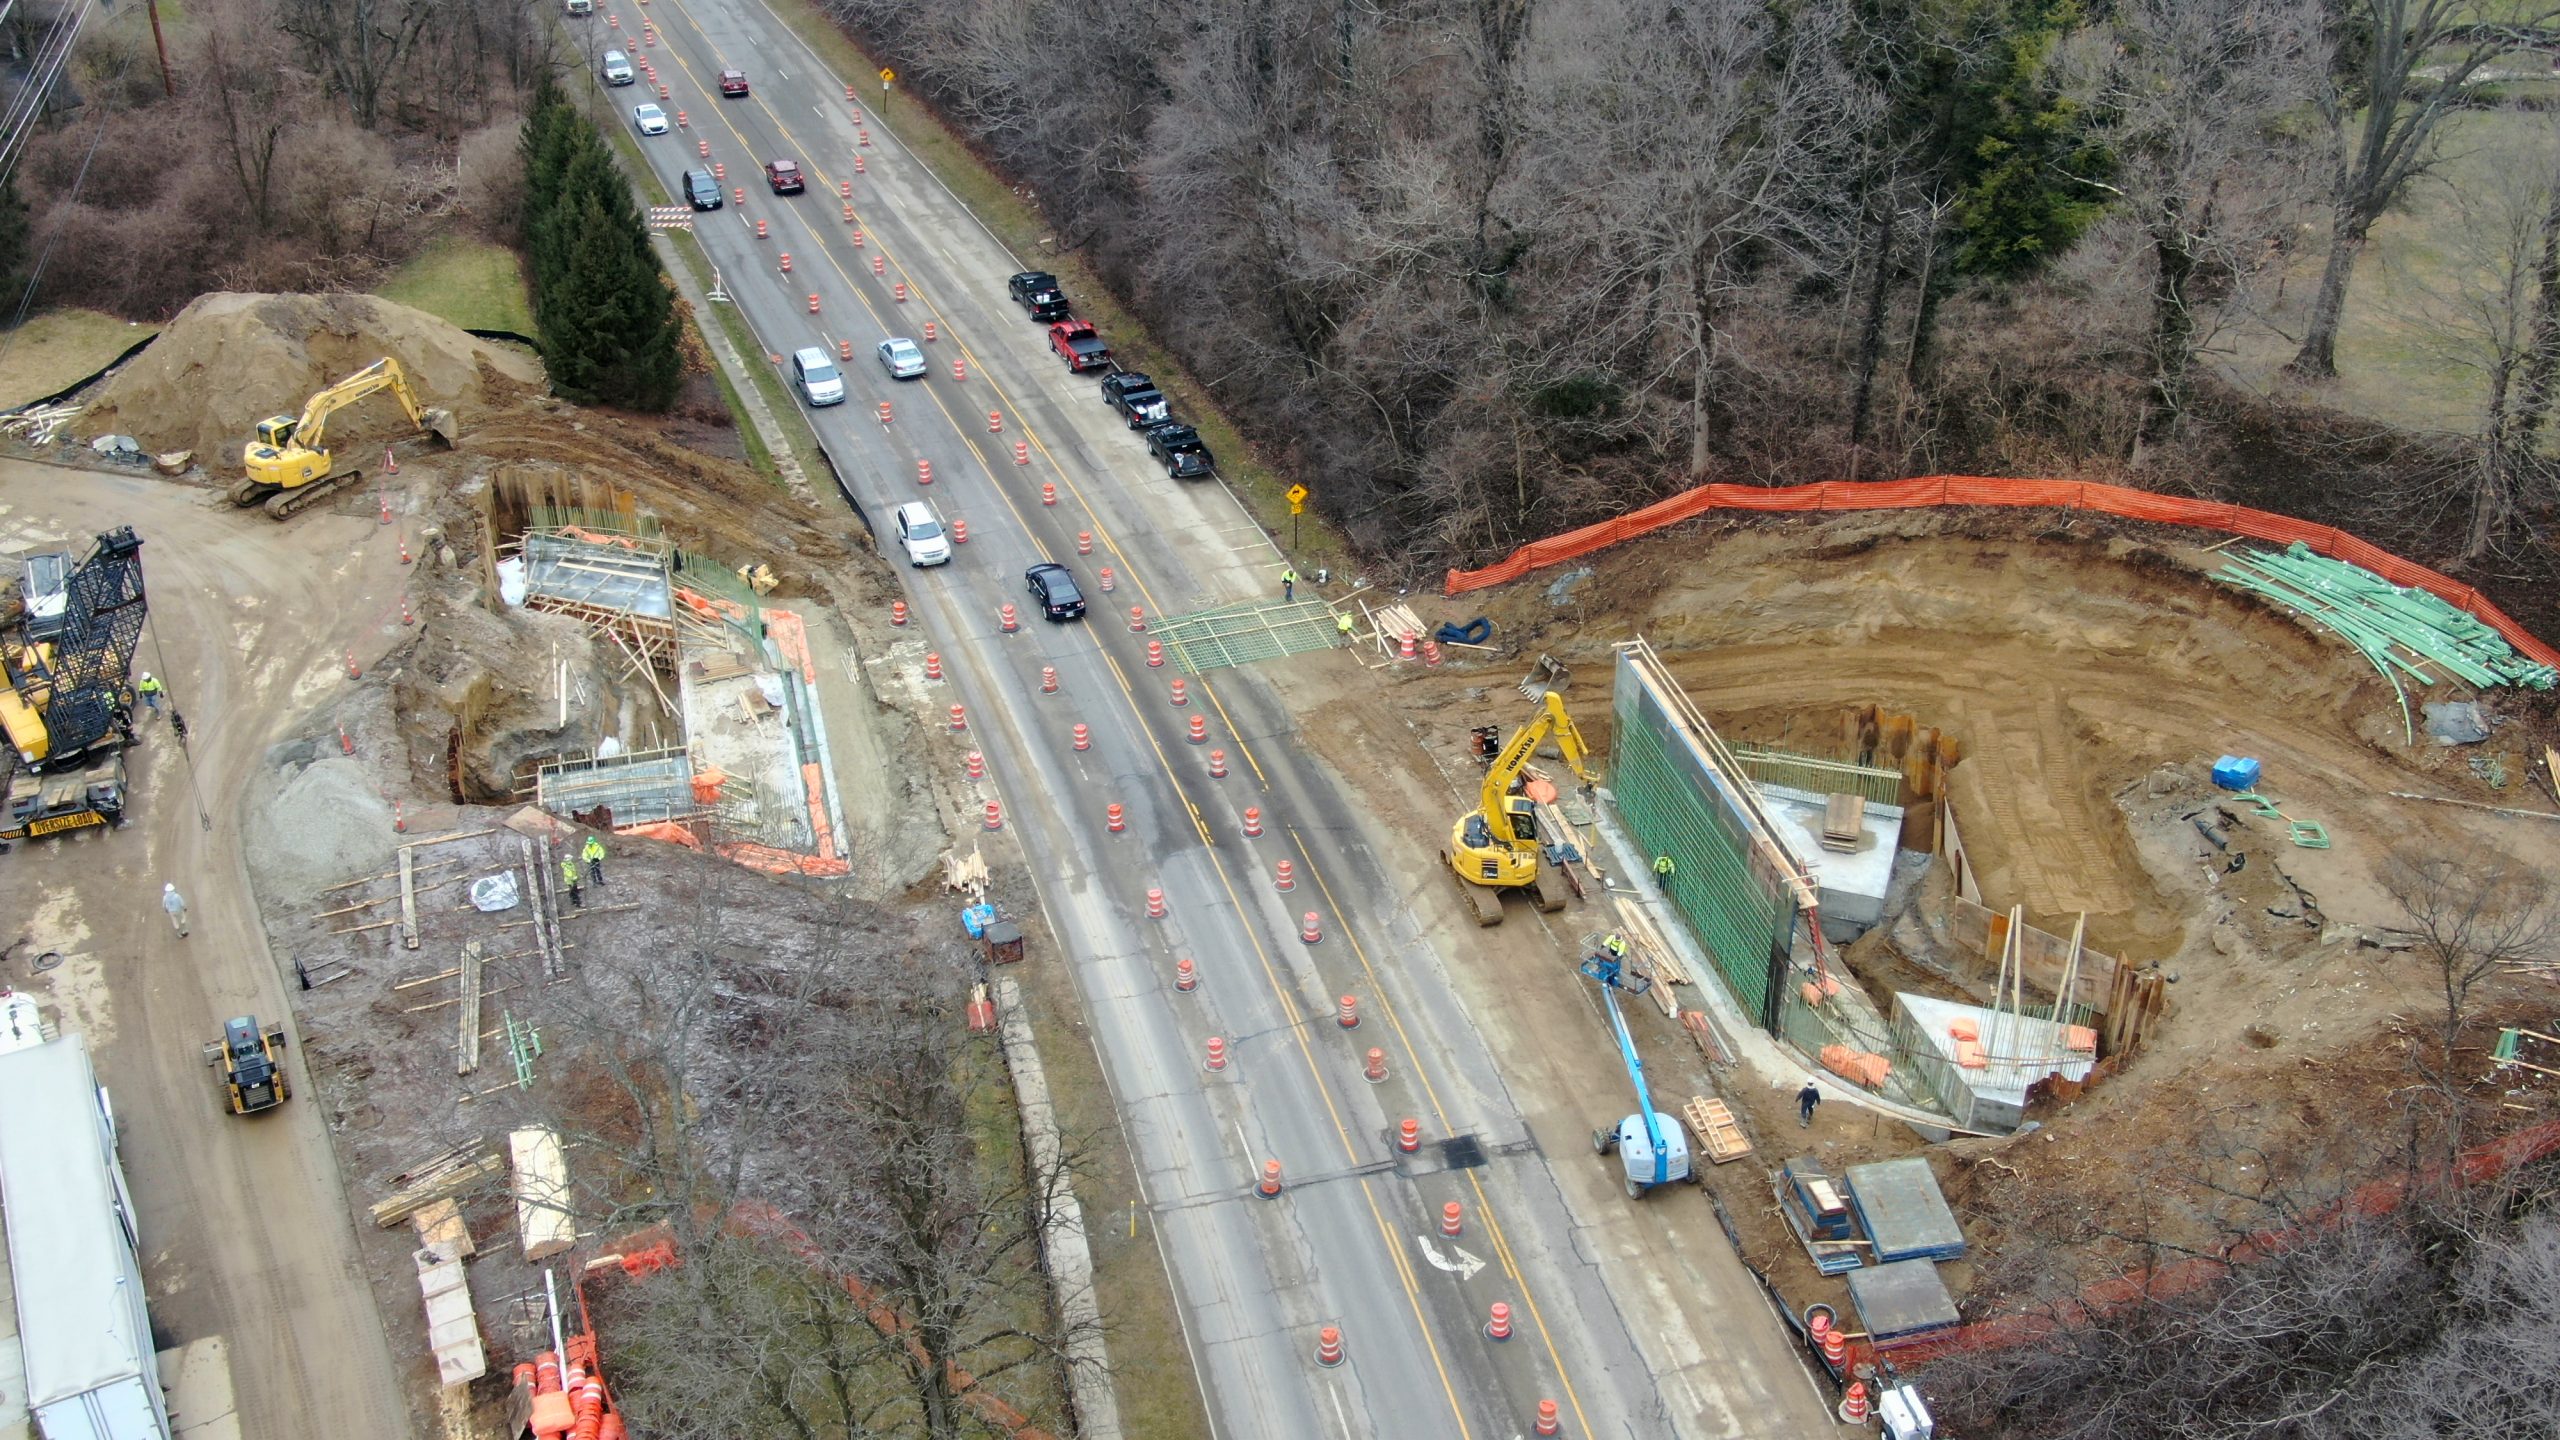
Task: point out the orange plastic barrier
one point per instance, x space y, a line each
1930 491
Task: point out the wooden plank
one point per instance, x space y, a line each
399 1207
1718 1132
450 836
467 1019
408 898
360 929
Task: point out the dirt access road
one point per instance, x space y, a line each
244 1223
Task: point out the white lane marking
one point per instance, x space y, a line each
1464 1267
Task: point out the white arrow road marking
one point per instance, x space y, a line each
1464 1267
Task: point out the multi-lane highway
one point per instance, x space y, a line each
1354 1239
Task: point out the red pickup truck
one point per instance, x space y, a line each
1076 344
733 82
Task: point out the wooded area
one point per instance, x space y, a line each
296 145
1479 270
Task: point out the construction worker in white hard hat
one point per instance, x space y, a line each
1616 945
176 905
149 689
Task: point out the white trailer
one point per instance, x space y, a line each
74 1254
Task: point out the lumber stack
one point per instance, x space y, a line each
543 1211
447 1175
1719 1134
1844 819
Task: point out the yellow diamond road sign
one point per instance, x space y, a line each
1297 494
888 75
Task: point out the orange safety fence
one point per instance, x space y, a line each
1930 491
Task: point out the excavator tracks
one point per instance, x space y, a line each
1485 900
285 504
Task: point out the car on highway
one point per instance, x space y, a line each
1141 404
900 357
784 177
1178 447
815 372
702 189
733 82
578 7
922 536
1076 344
617 69
1037 291
1053 588
650 119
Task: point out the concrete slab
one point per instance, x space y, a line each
1853 882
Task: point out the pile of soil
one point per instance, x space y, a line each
326 823
230 360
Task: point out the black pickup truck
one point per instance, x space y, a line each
1179 447
1037 291
1136 398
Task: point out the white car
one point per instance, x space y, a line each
900 357
921 535
650 119
814 370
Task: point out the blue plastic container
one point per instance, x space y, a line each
2236 772
977 918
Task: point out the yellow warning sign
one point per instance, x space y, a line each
1297 494
887 76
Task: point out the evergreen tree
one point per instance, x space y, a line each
552 128
2028 172
608 322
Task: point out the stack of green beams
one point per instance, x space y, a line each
2401 631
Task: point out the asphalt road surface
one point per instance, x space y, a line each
1354 1239
245 1229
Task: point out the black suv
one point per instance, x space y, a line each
1136 398
1053 586
1179 447
1037 291
701 190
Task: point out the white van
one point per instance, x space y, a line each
921 535
617 68
579 7
815 372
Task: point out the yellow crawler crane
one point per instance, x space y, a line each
289 468
1496 847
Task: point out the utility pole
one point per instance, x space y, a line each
168 83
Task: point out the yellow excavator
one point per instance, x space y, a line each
1495 847
289 470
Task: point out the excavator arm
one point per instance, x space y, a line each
288 464
1507 766
311 430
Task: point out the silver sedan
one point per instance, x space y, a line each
900 357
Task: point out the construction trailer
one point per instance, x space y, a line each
74 1252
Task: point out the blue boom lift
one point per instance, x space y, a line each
1651 1145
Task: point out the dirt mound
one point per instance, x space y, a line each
230 360
325 824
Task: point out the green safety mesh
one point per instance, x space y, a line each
1820 777
1673 807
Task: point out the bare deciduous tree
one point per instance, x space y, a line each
2412 62
2472 916
1689 151
807 1112
2196 93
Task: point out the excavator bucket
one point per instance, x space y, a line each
1548 674
439 422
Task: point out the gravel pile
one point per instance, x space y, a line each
327 823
